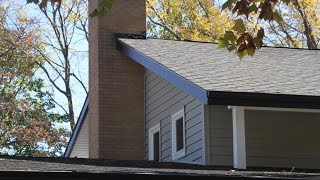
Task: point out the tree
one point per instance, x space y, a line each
186 19
65 27
245 41
299 27
26 123
288 23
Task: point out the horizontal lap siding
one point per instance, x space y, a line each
162 100
283 139
273 139
220 123
81 146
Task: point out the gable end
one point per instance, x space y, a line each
167 74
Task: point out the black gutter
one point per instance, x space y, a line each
167 74
77 129
263 100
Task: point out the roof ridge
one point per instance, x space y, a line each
207 42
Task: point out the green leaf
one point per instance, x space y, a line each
241 54
222 43
258 42
228 4
43 4
277 17
229 36
104 7
268 15
253 8
286 1
33 1
94 13
239 26
231 48
251 51
106 4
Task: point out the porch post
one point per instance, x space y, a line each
239 138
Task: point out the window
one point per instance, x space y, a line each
178 135
154 143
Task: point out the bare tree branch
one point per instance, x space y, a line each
165 27
49 77
84 87
311 42
64 109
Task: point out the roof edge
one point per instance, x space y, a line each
263 100
212 97
210 42
77 129
142 35
165 73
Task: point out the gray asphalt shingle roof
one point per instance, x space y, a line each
73 168
271 70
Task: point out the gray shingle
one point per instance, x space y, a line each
271 70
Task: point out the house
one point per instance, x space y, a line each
190 102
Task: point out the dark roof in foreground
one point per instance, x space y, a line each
58 168
271 71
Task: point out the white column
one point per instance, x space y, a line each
239 138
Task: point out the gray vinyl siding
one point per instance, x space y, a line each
220 123
162 100
283 139
273 138
81 146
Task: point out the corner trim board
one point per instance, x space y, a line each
239 138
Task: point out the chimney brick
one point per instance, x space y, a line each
116 98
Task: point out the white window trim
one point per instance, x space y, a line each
177 154
152 131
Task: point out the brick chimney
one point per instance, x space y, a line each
116 98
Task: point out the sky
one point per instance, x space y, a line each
79 64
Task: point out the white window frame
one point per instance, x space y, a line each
177 154
152 131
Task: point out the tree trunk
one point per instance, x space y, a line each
70 107
311 42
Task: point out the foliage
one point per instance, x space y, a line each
43 3
245 41
64 30
292 23
103 7
26 124
186 19
299 28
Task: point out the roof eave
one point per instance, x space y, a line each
218 97
162 71
263 100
